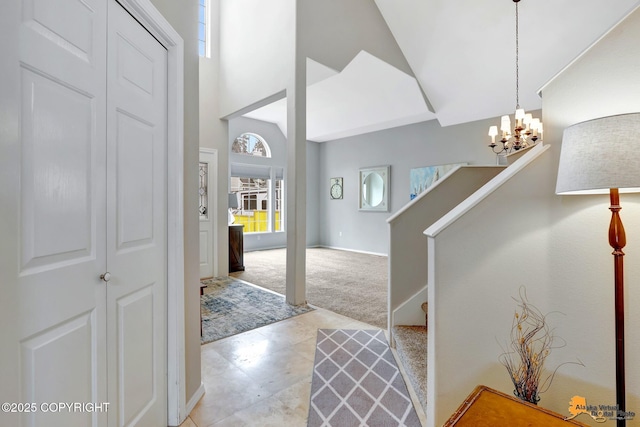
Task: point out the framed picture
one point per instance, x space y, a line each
335 188
422 178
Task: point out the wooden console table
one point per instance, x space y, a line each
236 248
486 407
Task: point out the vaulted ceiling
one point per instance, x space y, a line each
462 54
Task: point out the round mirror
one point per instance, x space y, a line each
373 189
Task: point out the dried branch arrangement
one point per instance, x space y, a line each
531 342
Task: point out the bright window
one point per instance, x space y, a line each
202 28
252 145
254 204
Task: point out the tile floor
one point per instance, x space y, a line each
263 377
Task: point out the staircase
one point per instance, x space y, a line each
411 347
444 214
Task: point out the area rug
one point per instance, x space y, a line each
229 306
356 382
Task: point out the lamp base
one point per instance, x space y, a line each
617 240
231 218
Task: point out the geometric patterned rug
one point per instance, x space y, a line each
230 306
356 382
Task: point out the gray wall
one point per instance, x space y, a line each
183 17
278 144
403 148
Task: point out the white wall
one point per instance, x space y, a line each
336 30
404 148
604 81
555 246
256 51
481 261
408 247
257 64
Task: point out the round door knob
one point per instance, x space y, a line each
106 276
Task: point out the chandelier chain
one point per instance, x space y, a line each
517 62
527 130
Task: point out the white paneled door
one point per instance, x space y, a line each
206 210
136 222
83 164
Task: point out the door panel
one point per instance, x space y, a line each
46 384
137 369
135 181
57 211
51 19
53 208
136 222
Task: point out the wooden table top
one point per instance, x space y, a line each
486 407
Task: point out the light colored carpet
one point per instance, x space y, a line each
411 345
229 307
347 283
356 382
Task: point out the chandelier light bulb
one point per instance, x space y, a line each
535 126
493 132
505 124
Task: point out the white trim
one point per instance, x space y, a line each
484 191
153 21
406 207
351 250
410 311
195 398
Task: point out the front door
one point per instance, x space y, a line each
206 210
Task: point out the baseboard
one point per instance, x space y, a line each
410 312
195 398
320 246
351 250
266 248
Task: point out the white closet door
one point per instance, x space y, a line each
52 129
136 223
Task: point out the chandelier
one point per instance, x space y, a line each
527 129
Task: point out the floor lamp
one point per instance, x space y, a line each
603 156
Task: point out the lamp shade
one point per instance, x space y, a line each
600 154
233 201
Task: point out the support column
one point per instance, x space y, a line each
296 183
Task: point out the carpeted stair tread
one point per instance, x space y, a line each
411 346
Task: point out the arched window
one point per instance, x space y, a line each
252 145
